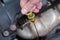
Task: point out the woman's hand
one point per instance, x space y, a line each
30 5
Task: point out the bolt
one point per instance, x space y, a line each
13 27
6 33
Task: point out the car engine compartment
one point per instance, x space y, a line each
15 26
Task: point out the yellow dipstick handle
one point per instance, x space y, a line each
31 16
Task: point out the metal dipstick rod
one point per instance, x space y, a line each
31 17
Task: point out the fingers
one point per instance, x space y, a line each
36 10
29 6
23 2
37 7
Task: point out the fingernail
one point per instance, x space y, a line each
24 11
